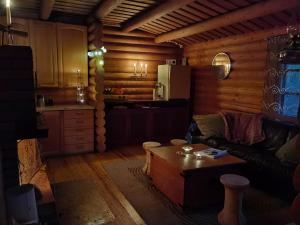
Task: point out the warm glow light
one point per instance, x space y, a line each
7 3
101 62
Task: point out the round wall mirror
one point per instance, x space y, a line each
221 65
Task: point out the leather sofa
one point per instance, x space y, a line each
263 168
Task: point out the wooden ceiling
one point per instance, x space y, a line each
164 18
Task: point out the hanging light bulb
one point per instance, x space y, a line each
8 12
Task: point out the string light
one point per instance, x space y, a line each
97 52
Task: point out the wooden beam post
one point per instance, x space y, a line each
107 6
155 13
248 13
46 8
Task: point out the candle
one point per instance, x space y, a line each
142 69
146 69
134 68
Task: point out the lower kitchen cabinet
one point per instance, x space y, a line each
131 126
70 131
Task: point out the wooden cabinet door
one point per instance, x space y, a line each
44 45
52 144
72 54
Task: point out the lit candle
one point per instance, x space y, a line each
134 68
146 69
142 69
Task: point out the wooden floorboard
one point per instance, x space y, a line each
89 166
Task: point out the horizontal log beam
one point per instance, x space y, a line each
155 13
106 7
248 13
46 9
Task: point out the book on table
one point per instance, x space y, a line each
212 153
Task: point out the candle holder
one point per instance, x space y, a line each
80 92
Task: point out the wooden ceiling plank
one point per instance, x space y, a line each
46 9
196 12
169 22
214 6
154 13
204 9
226 5
107 6
182 18
159 27
170 18
162 23
240 3
244 14
189 15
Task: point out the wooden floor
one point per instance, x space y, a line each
89 166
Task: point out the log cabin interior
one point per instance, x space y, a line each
158 112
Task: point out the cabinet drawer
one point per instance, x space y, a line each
82 139
87 147
78 132
80 114
79 123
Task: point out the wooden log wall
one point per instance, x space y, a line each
243 89
125 50
96 83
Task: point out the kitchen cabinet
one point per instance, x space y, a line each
131 126
44 46
59 51
52 144
78 131
70 131
72 54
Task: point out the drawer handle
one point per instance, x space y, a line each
79 121
79 113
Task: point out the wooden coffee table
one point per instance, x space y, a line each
188 181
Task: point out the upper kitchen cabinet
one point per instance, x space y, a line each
72 54
44 45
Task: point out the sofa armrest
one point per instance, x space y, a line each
296 178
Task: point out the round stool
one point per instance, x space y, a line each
178 142
234 186
146 146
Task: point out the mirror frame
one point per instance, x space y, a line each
228 64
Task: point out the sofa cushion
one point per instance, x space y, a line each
211 125
276 134
264 161
290 151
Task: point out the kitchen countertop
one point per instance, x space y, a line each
64 107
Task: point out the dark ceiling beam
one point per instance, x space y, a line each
106 7
155 13
46 8
257 10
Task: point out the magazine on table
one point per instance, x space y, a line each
212 153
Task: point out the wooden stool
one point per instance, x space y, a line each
178 142
146 146
234 187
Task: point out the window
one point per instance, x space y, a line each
290 85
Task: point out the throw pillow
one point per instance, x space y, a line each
211 125
290 151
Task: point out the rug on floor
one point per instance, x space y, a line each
156 209
79 202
